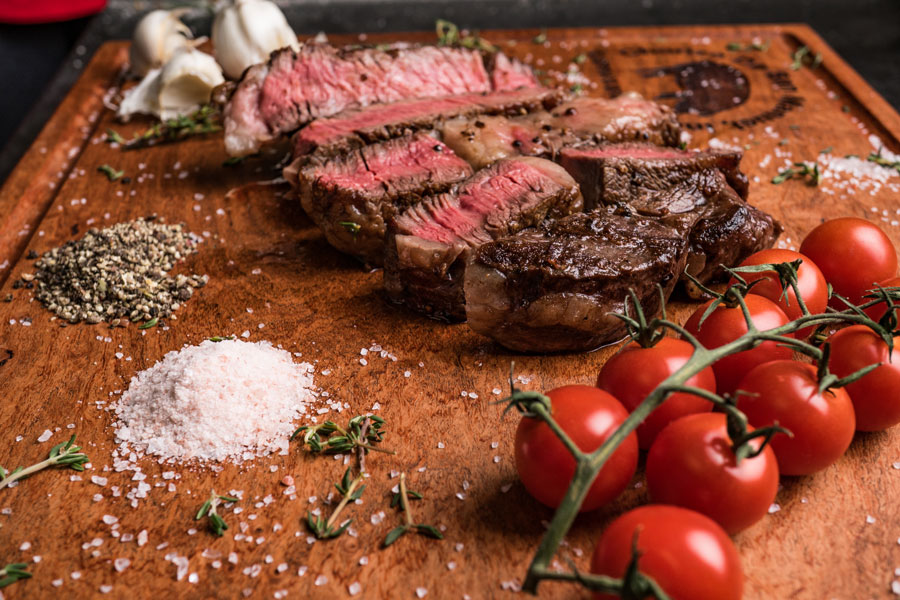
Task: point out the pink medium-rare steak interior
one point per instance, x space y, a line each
380 120
494 195
396 171
642 152
510 74
321 80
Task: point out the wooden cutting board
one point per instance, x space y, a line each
834 536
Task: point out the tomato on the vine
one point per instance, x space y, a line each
692 464
875 397
786 392
810 281
725 325
877 311
687 554
588 416
853 255
634 372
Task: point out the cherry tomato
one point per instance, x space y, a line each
634 372
692 464
822 424
589 416
876 397
876 312
725 325
810 280
853 254
686 553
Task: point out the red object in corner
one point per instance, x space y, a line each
47 11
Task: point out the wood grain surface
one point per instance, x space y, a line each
835 535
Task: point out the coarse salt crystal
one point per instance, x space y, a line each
25 547
354 588
105 589
870 519
774 508
45 436
321 580
120 564
96 479
421 592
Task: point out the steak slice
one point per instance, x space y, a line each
357 127
429 244
509 73
626 118
320 80
551 289
700 194
353 196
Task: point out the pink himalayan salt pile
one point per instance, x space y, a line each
227 400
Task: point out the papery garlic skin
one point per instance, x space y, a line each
180 87
246 32
143 98
158 35
186 82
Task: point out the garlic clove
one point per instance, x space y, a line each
186 82
246 32
143 98
157 36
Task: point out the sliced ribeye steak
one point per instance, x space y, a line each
700 194
320 80
429 244
353 196
629 117
552 288
357 127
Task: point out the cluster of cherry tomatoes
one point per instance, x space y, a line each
701 492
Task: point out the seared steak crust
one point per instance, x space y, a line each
551 289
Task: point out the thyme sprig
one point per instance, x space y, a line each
110 173
878 159
448 34
402 498
803 57
321 438
65 454
210 509
206 119
13 572
589 464
350 491
803 170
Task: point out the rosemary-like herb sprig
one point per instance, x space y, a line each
13 572
878 159
204 120
319 438
210 509
402 499
151 323
64 454
448 34
350 491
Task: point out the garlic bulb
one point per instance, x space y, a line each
156 38
180 87
245 32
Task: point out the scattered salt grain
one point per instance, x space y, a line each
120 564
302 570
242 398
105 589
421 592
363 560
109 519
354 588
45 436
101 481
321 580
895 588
25 547
870 519
774 508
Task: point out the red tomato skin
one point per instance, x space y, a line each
589 416
725 325
875 397
813 288
853 254
692 465
686 553
634 372
876 312
822 425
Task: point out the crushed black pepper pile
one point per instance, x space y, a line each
117 273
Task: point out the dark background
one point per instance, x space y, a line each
38 63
